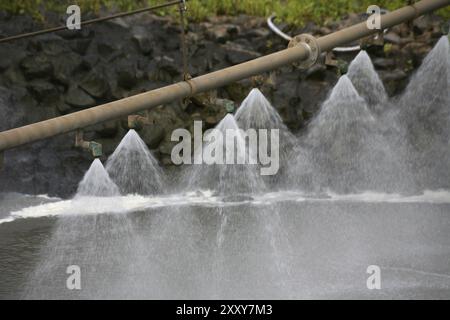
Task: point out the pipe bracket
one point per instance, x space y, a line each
94 147
311 44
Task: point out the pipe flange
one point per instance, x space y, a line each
310 43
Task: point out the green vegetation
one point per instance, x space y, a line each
295 12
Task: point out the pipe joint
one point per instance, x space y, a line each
192 87
312 46
416 11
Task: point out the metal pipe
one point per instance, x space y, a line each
71 122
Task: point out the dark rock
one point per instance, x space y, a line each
222 33
392 37
9 55
6 108
107 48
144 43
395 75
90 61
383 63
152 135
211 121
168 65
239 90
258 33
73 34
394 81
243 43
416 49
95 85
52 45
166 147
421 24
108 129
317 72
118 92
77 98
324 31
63 108
119 22
126 74
43 91
65 66
80 46
236 54
4 64
13 76
37 66
168 38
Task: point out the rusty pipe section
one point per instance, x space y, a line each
71 122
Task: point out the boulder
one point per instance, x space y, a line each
63 107
4 64
75 34
107 129
143 43
168 65
166 147
90 61
65 66
50 45
13 75
119 23
79 99
394 81
107 48
95 85
10 55
258 33
237 54
152 135
126 74
223 32
317 72
80 46
37 66
385 64
392 37
43 91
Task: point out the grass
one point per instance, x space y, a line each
294 12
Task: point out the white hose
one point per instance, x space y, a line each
287 37
276 30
